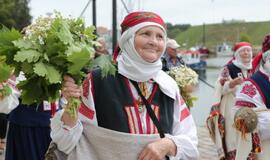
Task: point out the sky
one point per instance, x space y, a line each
194 12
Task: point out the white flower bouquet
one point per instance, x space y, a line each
186 79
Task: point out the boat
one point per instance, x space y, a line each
192 59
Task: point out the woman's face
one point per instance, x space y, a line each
149 42
245 55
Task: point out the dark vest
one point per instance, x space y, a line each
263 83
112 94
31 116
233 70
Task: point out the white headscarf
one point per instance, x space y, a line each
266 62
238 60
134 67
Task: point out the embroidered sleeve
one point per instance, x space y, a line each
87 108
65 137
249 96
184 132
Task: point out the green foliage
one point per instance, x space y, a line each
173 30
5 91
5 70
15 13
50 49
106 65
245 38
219 33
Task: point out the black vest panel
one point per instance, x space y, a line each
233 70
112 95
264 85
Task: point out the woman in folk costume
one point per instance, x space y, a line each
116 104
29 126
220 121
255 93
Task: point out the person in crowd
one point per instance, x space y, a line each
221 117
101 48
171 58
29 125
3 130
255 93
128 103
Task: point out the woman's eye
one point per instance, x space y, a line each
146 33
160 36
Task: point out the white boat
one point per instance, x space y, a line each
224 50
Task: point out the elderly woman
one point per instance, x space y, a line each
232 75
255 93
125 104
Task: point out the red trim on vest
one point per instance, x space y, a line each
53 108
86 85
135 106
87 112
153 93
184 114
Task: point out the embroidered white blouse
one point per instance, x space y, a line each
249 96
184 133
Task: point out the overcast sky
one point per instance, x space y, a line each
195 12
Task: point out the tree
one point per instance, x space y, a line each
15 13
173 30
245 38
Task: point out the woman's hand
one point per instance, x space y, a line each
235 82
158 150
70 89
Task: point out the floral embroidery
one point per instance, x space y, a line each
249 90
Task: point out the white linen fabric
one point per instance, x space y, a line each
184 133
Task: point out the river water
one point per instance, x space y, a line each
201 108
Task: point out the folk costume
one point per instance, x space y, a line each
29 126
114 105
220 121
254 93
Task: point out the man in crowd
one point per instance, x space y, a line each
170 58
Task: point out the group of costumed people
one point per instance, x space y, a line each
136 114
238 132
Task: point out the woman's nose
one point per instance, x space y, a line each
153 39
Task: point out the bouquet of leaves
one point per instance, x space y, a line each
5 72
185 78
47 50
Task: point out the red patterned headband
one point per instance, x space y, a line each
135 18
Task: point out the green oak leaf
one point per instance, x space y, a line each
27 55
47 71
106 65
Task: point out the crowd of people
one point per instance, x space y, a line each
140 109
243 82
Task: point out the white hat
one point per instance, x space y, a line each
171 43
